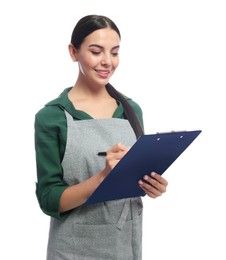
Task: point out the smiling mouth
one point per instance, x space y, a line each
103 73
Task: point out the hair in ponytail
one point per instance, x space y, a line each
129 111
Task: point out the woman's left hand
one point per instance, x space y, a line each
154 185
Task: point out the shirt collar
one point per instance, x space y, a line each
64 102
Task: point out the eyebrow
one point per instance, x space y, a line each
101 47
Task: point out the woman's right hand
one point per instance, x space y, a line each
114 155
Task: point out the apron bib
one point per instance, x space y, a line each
110 230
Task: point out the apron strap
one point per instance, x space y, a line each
123 215
135 209
68 116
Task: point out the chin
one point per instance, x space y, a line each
103 81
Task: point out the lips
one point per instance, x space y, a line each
103 73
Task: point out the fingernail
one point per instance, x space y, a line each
153 174
140 182
146 177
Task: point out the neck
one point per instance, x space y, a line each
85 91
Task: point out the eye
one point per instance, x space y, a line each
95 52
114 54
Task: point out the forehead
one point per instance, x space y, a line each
102 37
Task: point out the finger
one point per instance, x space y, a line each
151 184
118 148
115 156
159 178
155 184
149 190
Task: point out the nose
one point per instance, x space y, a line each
106 60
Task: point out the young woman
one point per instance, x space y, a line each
70 130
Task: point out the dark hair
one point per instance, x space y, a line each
89 24
128 110
83 28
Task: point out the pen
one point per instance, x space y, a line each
102 153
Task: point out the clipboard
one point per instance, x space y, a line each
153 152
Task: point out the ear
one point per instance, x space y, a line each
73 52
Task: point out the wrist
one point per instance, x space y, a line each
103 174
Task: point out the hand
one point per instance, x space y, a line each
154 185
114 155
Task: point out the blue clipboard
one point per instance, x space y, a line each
154 152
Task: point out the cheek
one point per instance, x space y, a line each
86 64
86 60
115 63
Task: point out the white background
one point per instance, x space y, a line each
173 63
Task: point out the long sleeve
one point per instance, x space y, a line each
50 184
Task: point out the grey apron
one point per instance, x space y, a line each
110 230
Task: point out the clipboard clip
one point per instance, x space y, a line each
169 132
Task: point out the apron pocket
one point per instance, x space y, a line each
104 241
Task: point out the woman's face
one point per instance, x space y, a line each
98 56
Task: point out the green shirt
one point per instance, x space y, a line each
50 143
